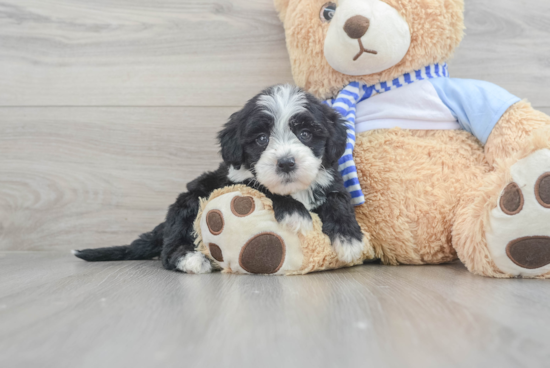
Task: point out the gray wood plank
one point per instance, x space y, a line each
507 43
56 311
198 53
85 177
139 52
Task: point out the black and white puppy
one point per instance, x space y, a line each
284 143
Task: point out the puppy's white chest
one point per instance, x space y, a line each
307 198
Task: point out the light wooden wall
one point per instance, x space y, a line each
108 107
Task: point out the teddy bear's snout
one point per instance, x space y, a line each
356 26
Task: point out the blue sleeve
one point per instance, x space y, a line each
477 105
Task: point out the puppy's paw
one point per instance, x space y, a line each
297 222
194 262
348 250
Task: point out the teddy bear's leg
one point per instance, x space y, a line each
239 231
514 132
502 229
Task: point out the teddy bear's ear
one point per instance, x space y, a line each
281 6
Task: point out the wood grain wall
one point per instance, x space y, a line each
108 107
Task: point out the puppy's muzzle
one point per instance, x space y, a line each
286 165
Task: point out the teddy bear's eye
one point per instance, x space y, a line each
327 12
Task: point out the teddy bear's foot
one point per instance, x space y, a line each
236 228
518 238
242 236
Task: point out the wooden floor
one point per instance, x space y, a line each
109 107
57 311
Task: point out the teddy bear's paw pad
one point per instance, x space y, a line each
216 252
263 254
530 252
542 190
511 201
215 222
242 206
519 235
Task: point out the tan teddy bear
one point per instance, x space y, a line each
439 168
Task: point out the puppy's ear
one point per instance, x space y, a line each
230 141
336 142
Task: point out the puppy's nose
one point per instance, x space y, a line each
286 164
357 26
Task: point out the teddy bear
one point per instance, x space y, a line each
439 168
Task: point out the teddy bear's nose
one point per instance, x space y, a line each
357 26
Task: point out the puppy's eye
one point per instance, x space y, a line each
305 135
262 140
327 12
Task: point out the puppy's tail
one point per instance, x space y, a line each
147 246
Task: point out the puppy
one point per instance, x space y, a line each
284 143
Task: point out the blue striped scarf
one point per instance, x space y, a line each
345 103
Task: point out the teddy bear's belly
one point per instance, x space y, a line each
413 182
